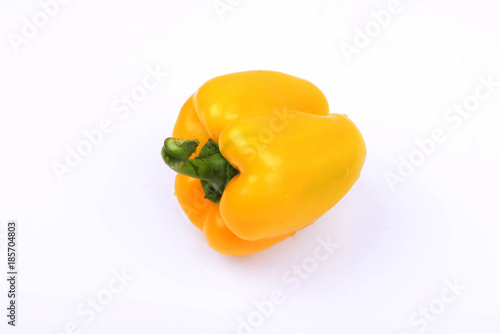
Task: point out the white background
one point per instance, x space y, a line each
116 210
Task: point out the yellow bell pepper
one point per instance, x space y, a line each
273 160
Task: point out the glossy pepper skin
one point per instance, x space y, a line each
292 159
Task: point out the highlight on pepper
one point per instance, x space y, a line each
259 157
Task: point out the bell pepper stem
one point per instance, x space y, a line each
209 166
176 151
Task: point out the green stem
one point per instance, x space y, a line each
209 166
